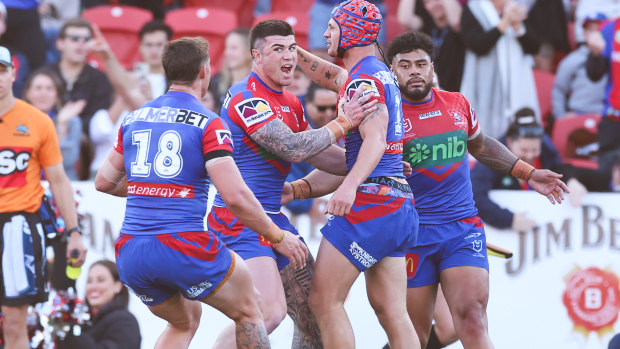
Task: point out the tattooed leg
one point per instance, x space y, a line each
296 288
251 335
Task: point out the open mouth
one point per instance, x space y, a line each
287 68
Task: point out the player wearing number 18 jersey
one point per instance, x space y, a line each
169 149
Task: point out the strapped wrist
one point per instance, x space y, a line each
522 170
301 189
275 235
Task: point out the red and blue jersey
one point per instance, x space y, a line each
165 144
381 83
435 144
250 105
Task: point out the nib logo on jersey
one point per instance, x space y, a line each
436 150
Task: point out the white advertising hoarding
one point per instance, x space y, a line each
560 290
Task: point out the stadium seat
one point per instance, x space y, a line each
244 9
290 5
298 20
120 26
577 139
211 23
544 85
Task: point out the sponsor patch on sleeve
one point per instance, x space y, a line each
371 88
253 111
224 137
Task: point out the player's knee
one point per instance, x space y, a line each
189 322
471 319
388 312
316 303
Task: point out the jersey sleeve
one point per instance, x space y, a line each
303 123
474 127
49 152
373 86
216 140
250 112
118 141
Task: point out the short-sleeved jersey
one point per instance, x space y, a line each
28 142
250 105
381 83
165 144
435 144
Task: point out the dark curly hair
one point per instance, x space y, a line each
409 42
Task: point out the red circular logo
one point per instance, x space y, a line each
592 298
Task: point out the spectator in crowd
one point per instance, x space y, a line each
20 62
526 139
53 14
604 47
23 31
111 324
299 86
131 92
321 108
609 8
45 90
81 80
573 92
497 78
28 140
153 36
445 30
547 18
320 13
237 65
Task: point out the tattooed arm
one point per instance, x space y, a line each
324 73
278 138
496 156
491 153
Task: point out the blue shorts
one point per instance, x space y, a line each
378 226
320 14
441 246
156 267
246 242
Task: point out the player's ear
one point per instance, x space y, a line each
256 55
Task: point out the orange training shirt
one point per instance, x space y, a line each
28 142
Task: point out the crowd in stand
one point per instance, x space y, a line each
492 51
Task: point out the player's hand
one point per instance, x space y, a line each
407 169
548 183
521 223
76 243
293 248
98 45
341 201
358 107
287 193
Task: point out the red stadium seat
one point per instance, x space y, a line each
211 23
544 85
244 9
298 20
120 26
290 5
573 135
